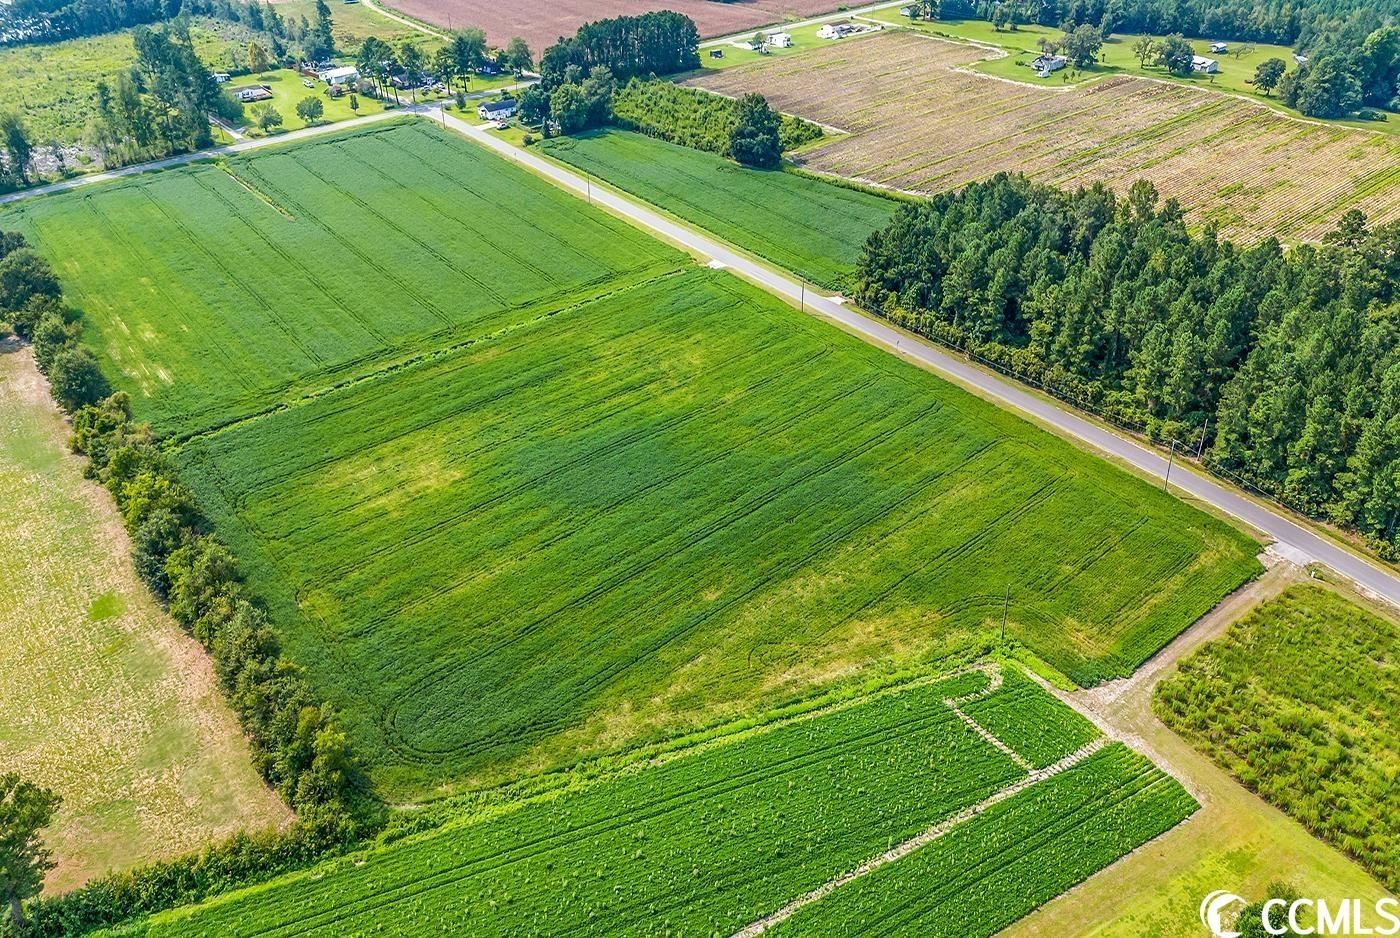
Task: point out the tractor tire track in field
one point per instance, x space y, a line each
654 809
232 277
404 233
121 238
312 277
364 256
662 551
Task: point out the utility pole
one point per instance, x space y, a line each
1166 480
588 181
804 295
1201 447
1005 605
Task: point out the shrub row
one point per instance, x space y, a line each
297 743
690 117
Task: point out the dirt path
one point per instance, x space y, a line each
1033 776
1236 841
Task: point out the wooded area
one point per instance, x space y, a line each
1280 367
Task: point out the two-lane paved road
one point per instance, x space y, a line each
1299 544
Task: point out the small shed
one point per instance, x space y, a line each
716 53
1205 66
1219 48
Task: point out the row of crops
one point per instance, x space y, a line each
922 122
664 508
1017 855
707 842
217 291
810 227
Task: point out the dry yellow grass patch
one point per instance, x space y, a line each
107 701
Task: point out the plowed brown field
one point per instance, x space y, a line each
541 22
919 122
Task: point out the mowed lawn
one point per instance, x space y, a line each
812 228
666 507
710 841
106 700
220 290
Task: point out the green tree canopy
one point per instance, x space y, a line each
755 140
25 810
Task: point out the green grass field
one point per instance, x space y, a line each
54 85
1300 701
812 228
664 507
106 701
520 485
220 290
714 838
288 89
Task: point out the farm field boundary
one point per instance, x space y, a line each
1234 163
770 214
227 288
490 531
712 840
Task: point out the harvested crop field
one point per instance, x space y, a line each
541 22
920 123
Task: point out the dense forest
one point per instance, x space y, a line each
629 46
1279 367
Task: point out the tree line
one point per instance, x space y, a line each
1304 23
161 105
297 742
702 120
629 46
1280 367
37 21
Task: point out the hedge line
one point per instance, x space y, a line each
690 117
297 743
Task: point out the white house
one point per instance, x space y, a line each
835 31
221 77
343 75
496 110
778 40
1205 66
1218 48
1045 63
